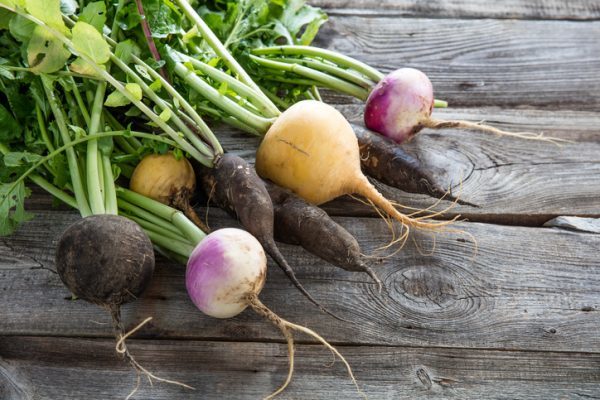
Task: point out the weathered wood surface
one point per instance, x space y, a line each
522 9
526 288
58 368
519 320
474 63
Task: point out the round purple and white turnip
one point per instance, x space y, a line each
400 104
225 274
227 267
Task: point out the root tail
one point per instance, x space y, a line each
440 124
285 326
121 348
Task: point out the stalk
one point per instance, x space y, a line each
267 109
94 184
78 188
328 55
334 70
218 47
163 211
323 78
213 95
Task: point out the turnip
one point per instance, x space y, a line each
312 150
401 104
226 273
234 186
168 179
109 261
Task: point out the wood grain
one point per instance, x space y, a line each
526 288
474 63
57 368
522 9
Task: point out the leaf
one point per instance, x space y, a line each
9 128
128 17
118 99
88 41
21 28
5 17
12 207
163 20
80 66
13 3
125 49
166 115
45 53
48 11
135 90
20 158
94 14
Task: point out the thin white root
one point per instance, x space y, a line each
439 124
121 348
284 326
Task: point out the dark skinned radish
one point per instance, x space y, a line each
234 186
300 223
387 162
168 179
401 105
108 260
225 275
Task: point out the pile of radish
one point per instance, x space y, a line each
115 126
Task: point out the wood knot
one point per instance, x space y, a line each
429 284
424 378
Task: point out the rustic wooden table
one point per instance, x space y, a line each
520 320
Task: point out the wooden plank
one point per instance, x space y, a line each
474 63
514 181
56 368
526 288
522 9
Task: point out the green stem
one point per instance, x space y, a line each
267 109
162 232
179 248
78 188
75 142
189 135
206 133
146 215
110 193
217 46
440 104
94 184
80 102
163 211
42 126
334 70
328 55
323 78
53 190
213 95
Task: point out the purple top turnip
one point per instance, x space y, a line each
225 274
401 104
